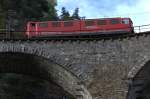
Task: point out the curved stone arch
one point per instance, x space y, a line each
138 80
135 69
60 75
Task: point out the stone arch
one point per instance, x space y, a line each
57 73
135 69
139 83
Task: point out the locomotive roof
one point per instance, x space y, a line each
86 19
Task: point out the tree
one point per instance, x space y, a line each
52 13
27 10
75 15
2 20
65 14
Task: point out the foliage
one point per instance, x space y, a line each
2 21
25 8
76 14
18 12
52 13
65 15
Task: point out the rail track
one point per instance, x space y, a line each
80 38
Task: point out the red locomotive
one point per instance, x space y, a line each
79 27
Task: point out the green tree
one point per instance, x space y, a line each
2 18
75 15
17 13
27 10
52 12
65 14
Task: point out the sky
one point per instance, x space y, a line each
137 10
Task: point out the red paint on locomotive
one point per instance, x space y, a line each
79 27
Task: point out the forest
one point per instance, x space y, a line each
16 13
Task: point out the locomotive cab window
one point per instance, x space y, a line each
68 23
43 25
125 21
114 21
101 22
89 23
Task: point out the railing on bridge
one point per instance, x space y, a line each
142 28
4 33
7 34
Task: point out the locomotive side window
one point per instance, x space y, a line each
68 23
114 21
101 22
43 25
89 23
125 21
56 24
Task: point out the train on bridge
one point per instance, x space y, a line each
83 27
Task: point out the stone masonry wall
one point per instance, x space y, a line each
103 66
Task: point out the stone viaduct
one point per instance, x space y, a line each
98 69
